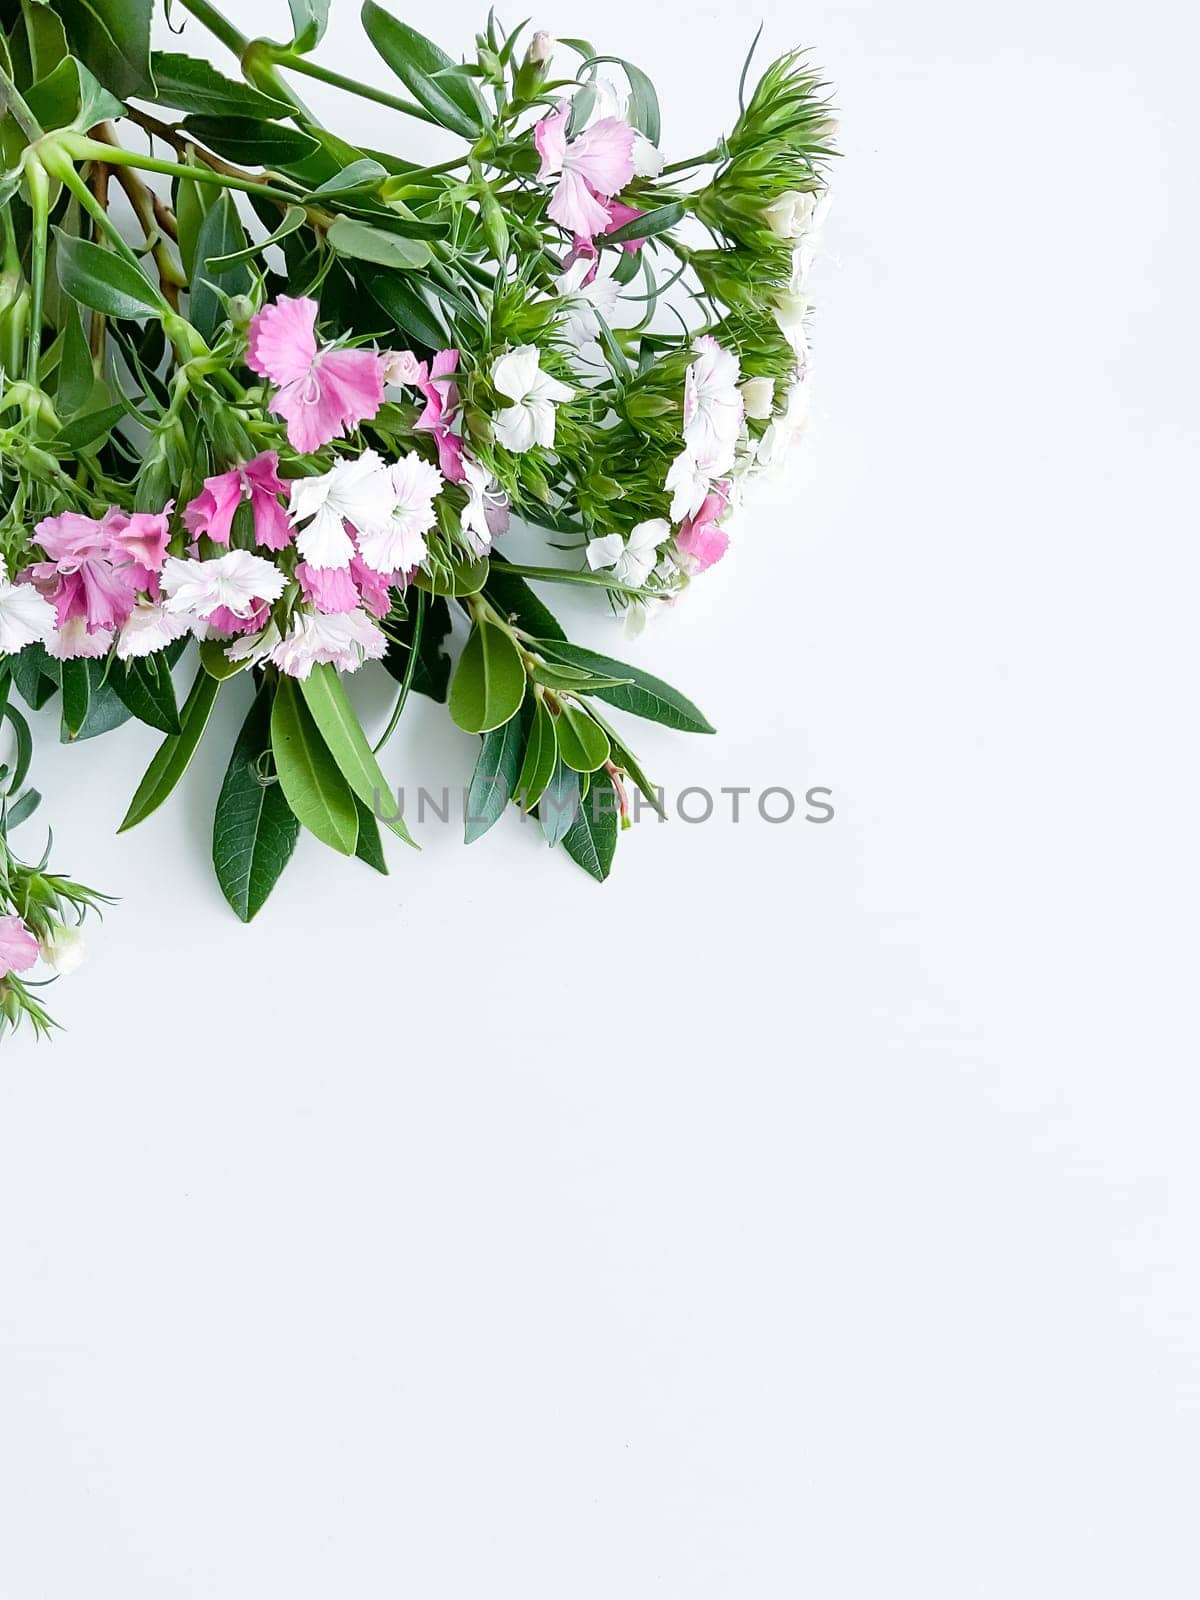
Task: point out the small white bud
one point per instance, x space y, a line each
758 397
541 47
791 215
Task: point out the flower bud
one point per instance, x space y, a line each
400 366
758 397
791 215
241 309
541 47
63 948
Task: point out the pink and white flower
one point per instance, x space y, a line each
441 403
26 617
355 491
590 168
700 540
81 577
529 420
398 544
587 298
212 511
344 641
485 515
323 391
150 627
74 641
237 583
18 948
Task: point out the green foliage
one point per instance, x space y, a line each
254 828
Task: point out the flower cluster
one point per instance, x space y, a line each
283 433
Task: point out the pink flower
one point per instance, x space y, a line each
699 538
441 402
330 589
226 621
18 947
82 578
596 165
400 366
375 588
212 511
323 391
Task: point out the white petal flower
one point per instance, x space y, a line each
26 617
580 323
647 158
357 490
64 949
150 627
344 641
687 485
73 642
399 544
486 511
790 215
236 580
712 406
633 560
530 419
254 647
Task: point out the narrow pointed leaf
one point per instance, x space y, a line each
329 704
175 752
254 828
312 781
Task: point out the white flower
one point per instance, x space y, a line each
73 642
398 544
345 641
712 407
758 397
530 419
150 627
236 580
26 617
611 102
64 949
254 647
580 323
358 491
791 215
687 485
541 47
486 511
632 562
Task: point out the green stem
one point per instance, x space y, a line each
68 175
39 204
409 671
365 91
212 19
695 161
593 580
85 149
12 100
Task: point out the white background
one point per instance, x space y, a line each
812 1210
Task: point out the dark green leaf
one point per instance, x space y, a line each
220 234
106 710
541 758
489 684
145 686
70 97
35 674
312 781
23 808
193 202
250 142
103 281
294 217
648 224
113 38
453 99
643 696
191 84
516 599
494 782
89 429
76 696
254 828
370 843
175 752
431 676
76 375
464 578
591 840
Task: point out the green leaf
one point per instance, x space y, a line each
365 243
462 579
76 375
648 224
70 97
327 700
453 100
643 98
191 84
83 432
582 743
642 696
591 840
431 675
312 782
176 751
541 758
104 282
516 599
559 803
364 173
405 303
370 844
35 674
293 218
76 696
24 750
494 781
489 684
220 234
571 680
254 828
144 685
113 38
624 758
47 41
216 663
251 142
309 21
106 710
193 202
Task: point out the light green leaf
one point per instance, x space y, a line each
312 782
648 224
309 21
365 243
642 696
327 700
541 758
582 743
560 803
494 782
489 684
293 218
463 579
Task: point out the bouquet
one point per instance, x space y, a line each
269 400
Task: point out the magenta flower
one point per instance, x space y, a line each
699 538
436 383
375 588
331 590
18 947
88 574
323 391
590 169
212 511
140 540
